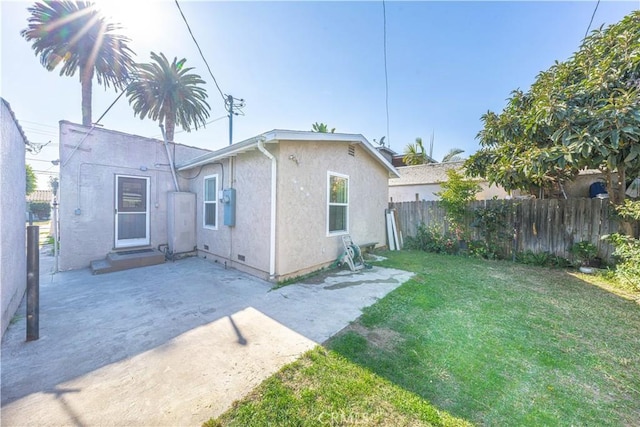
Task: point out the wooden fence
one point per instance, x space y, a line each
551 225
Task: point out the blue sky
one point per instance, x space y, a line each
296 63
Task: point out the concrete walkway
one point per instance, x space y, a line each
173 344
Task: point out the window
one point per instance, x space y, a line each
338 203
210 210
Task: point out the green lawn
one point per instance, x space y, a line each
323 388
494 343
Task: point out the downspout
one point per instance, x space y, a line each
166 147
274 174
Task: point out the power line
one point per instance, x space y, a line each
64 163
38 124
386 75
39 172
38 160
591 22
200 50
39 132
207 123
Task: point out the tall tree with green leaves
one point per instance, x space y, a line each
77 36
32 180
168 93
457 192
581 113
321 128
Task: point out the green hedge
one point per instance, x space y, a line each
41 209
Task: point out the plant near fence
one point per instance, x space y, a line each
432 239
627 248
542 259
455 197
584 253
491 222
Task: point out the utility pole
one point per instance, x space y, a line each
230 104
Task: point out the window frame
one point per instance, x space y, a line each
206 202
331 174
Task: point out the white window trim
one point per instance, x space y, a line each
329 204
205 202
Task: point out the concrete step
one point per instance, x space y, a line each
101 266
124 260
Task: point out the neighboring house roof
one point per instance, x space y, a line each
13 116
385 149
40 196
429 173
276 135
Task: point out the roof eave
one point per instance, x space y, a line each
288 135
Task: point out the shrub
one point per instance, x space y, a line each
583 253
627 247
431 239
492 223
41 209
456 194
542 259
628 252
484 249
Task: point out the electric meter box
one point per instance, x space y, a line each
229 203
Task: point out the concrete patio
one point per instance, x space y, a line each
172 344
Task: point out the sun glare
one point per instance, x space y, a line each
139 19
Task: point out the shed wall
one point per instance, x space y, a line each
13 265
87 188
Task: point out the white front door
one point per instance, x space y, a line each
132 211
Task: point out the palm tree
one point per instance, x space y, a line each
321 128
77 35
452 155
167 92
414 154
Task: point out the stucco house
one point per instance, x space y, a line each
13 260
113 192
422 182
275 205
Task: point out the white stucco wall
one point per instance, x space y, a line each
244 246
303 243
425 180
407 193
13 261
87 188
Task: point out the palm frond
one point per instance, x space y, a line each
167 92
452 155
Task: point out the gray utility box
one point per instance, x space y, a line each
229 201
181 227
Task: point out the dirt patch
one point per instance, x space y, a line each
383 338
